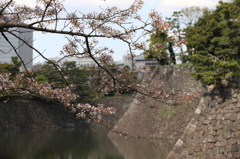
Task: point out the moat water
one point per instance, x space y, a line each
87 143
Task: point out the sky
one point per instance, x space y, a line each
50 44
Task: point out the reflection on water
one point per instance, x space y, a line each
57 144
142 148
76 144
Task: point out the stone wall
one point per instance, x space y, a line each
214 130
35 114
163 121
121 104
39 114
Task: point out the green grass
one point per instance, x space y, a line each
168 110
165 112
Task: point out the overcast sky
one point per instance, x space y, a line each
52 44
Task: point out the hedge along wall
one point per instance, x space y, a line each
214 130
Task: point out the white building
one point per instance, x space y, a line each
23 50
140 61
80 62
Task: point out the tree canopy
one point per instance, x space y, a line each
215 40
157 47
12 68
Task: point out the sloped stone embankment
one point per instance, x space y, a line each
214 130
162 121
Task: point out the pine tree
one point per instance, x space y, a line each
157 47
215 40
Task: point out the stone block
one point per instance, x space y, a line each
222 150
224 104
204 147
236 124
195 135
184 145
231 141
199 153
209 156
220 156
229 155
191 127
215 151
238 116
200 134
191 134
234 100
237 110
236 134
218 125
210 129
213 103
213 133
228 125
220 137
197 147
238 141
227 115
204 128
219 100
227 134
205 136
198 117
172 155
206 122
179 142
238 104
210 139
188 132
236 154
230 107
218 110
219 116
213 122
219 132
210 145
233 117
235 148
228 148
212 117
178 149
186 139
193 121
206 100
197 111
206 111
201 106
189 157
184 154
218 143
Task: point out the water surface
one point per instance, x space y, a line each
77 144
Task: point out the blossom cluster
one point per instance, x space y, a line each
82 31
28 87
